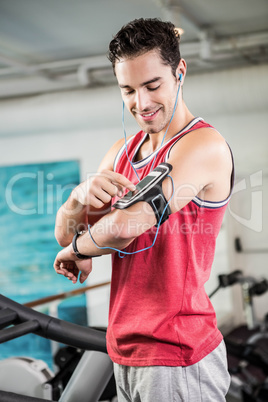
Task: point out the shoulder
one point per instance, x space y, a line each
109 158
203 160
204 145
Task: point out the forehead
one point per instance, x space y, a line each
135 70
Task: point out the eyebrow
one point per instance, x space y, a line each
143 83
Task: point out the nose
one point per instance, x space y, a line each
142 101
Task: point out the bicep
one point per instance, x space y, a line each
201 165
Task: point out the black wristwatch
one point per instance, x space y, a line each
78 255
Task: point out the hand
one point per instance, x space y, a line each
99 189
67 264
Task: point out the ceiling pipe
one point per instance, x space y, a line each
225 92
187 49
22 80
190 49
92 62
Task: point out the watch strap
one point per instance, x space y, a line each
78 255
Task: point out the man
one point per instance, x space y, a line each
162 334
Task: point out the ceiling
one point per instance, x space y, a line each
54 45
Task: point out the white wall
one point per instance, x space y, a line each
83 125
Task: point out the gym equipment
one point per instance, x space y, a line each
30 376
239 248
247 345
86 369
92 373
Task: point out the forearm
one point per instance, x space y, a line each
71 217
70 264
74 217
88 202
116 230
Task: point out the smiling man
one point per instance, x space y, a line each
162 334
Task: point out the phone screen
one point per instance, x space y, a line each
142 184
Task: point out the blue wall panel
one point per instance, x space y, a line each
30 196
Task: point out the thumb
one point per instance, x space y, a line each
83 277
85 267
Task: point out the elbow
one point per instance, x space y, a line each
62 239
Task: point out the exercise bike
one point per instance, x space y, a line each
247 345
88 381
86 371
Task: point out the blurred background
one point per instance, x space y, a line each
60 112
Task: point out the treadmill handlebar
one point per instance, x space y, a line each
53 328
12 397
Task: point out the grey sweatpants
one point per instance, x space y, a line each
205 381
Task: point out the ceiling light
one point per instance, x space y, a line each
179 30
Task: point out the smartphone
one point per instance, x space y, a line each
145 187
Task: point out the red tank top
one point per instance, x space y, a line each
159 312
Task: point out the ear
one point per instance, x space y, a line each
181 71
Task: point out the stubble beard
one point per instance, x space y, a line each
151 128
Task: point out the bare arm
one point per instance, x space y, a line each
90 200
201 164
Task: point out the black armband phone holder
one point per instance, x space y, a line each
149 189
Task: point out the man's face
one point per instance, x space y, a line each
148 89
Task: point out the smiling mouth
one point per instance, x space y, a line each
149 115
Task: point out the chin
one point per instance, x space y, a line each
151 131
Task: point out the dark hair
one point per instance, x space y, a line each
143 35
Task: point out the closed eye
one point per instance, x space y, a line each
153 89
129 92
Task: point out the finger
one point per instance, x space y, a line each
85 267
76 272
120 191
120 179
64 268
105 192
72 278
112 188
58 268
74 275
60 271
